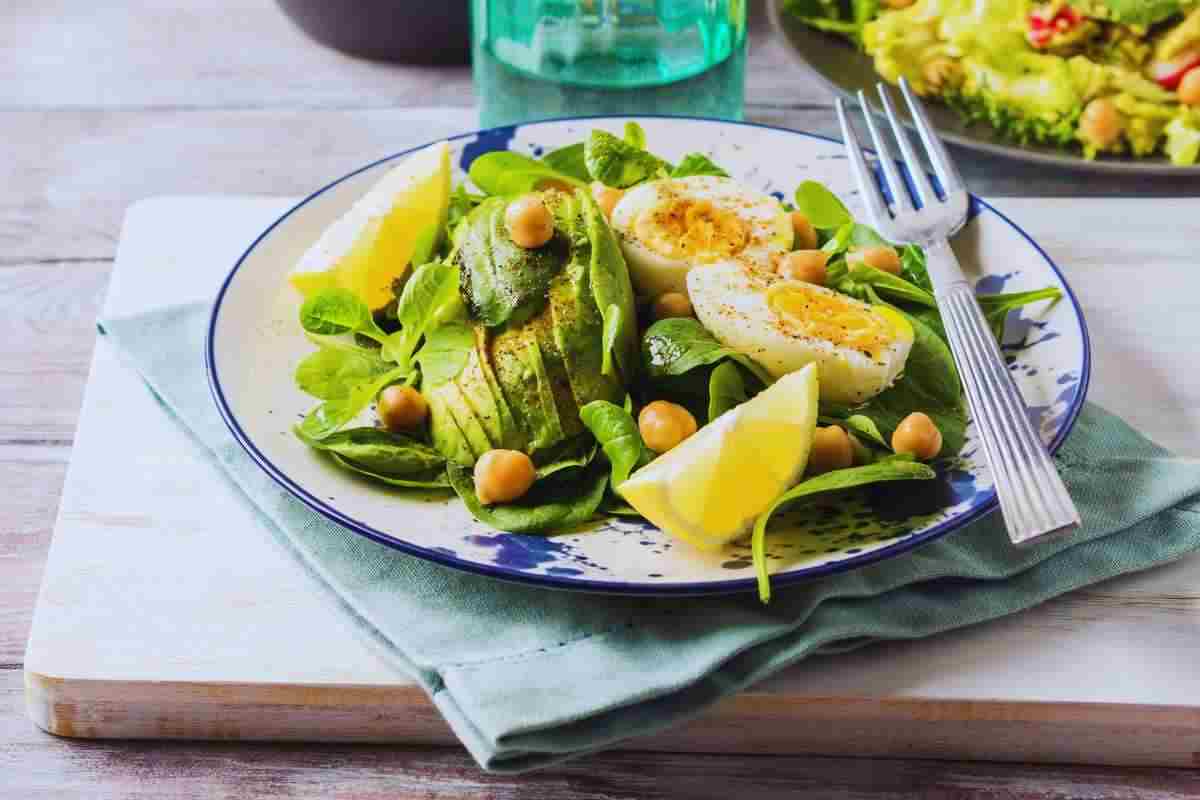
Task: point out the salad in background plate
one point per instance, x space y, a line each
1101 76
601 332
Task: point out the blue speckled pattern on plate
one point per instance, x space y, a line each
255 342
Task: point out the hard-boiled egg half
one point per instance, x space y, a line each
784 325
672 226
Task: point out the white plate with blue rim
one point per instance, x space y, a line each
255 342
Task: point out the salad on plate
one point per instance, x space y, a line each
1100 76
599 331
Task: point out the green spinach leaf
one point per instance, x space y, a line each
838 480
996 306
697 164
614 505
612 292
930 384
569 161
432 479
617 433
672 347
382 452
821 206
864 426
850 235
615 162
726 389
572 454
563 500
913 269
890 286
505 173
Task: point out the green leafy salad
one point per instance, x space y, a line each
603 332
1102 76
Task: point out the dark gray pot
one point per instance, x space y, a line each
413 33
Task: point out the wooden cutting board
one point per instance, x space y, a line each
164 615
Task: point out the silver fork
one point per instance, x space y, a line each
1033 499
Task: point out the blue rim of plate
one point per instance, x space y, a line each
797 575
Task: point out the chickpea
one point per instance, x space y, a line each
502 476
401 408
529 222
882 257
1101 123
664 425
918 436
1189 87
672 304
804 265
831 449
606 197
805 233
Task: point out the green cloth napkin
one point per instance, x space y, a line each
529 676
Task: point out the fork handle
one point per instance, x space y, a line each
1033 498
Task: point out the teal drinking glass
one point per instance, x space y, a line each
536 59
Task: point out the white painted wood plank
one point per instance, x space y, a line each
141 595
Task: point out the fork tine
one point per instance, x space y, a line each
887 161
916 170
867 186
943 165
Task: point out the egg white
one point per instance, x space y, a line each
733 305
654 273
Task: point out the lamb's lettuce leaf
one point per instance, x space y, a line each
429 298
445 352
331 371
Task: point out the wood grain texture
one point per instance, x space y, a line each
47 327
36 766
30 477
751 723
104 104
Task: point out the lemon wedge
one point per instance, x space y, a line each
709 489
371 244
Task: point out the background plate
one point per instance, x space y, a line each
846 70
255 342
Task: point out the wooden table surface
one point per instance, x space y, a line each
102 104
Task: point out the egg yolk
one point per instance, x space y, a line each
835 319
689 228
